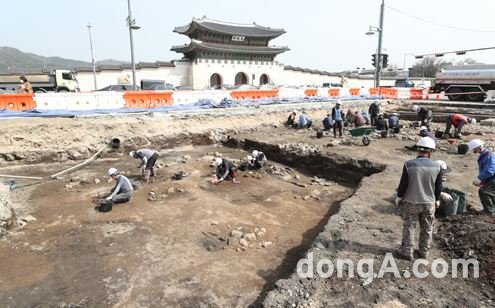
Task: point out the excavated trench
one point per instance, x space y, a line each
343 170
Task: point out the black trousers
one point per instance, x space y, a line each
151 164
337 124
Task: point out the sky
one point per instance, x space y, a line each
321 34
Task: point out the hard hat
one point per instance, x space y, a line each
131 153
112 171
475 143
338 102
443 166
426 144
218 161
255 153
423 128
394 114
473 121
415 108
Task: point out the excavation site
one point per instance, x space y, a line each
183 241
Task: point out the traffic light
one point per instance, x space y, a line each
373 59
385 60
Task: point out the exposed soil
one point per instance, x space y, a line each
329 197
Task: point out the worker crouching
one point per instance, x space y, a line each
225 170
257 160
122 191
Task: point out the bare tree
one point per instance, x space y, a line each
468 61
428 67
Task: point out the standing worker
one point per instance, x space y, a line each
122 191
486 178
25 87
374 110
418 195
458 121
148 159
338 118
424 116
225 169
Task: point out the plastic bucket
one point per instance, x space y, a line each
295 125
105 206
438 134
319 134
178 176
243 167
462 149
384 134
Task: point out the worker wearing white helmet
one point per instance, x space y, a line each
418 195
423 115
225 169
458 121
424 132
148 159
486 177
258 160
122 191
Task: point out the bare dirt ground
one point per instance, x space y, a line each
174 251
179 250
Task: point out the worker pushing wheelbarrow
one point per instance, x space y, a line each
363 131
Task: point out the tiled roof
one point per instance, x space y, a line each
229 48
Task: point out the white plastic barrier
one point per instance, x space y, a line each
290 93
81 101
403 93
323 92
364 92
344 92
110 100
50 101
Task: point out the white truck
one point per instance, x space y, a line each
467 82
53 81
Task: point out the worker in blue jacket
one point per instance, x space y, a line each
486 177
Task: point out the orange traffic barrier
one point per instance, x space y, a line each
354 91
334 92
253 94
17 102
373 91
390 93
416 93
147 99
311 92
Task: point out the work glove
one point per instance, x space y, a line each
108 198
477 182
437 204
398 202
446 197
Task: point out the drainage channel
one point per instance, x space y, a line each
344 170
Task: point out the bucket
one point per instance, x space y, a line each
243 167
319 134
462 149
396 130
115 144
295 125
178 175
105 206
438 134
384 133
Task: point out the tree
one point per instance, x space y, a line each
428 67
468 61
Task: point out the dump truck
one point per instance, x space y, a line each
52 81
465 83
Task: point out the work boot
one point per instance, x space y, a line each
405 256
422 254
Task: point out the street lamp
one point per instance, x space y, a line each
92 55
378 58
131 23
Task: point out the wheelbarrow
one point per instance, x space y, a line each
363 131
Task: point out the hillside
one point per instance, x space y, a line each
12 58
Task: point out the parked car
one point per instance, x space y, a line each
404 83
118 87
149 84
183 88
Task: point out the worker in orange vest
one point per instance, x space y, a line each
458 121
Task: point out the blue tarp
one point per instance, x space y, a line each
201 104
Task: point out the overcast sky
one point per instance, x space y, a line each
321 34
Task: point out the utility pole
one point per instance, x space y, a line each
131 23
379 51
92 54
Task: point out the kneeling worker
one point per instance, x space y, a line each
122 191
258 160
225 169
148 159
